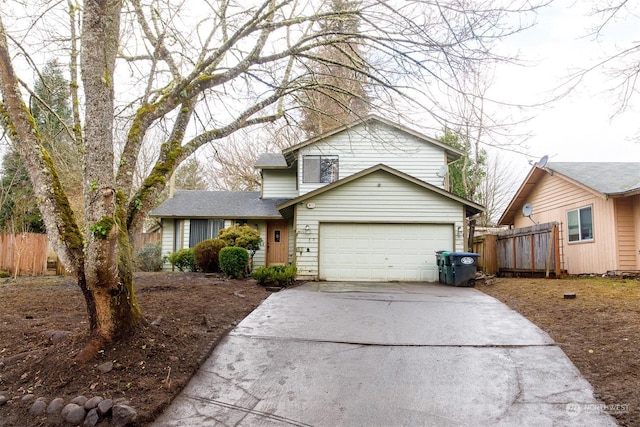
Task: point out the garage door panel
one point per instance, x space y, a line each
387 252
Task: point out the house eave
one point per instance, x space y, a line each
622 194
471 208
527 186
453 154
232 216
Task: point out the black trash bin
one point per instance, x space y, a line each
463 267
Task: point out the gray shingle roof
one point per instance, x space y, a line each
218 204
604 177
271 161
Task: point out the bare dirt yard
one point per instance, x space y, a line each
599 330
187 313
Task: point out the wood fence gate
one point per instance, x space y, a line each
531 250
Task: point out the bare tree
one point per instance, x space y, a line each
476 175
496 188
205 70
232 162
621 67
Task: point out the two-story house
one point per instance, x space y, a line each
367 201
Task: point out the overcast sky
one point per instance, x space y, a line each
580 126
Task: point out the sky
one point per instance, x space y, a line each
580 126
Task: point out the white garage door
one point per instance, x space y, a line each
385 252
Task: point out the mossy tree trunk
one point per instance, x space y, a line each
107 250
100 257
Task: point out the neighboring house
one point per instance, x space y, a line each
366 201
598 207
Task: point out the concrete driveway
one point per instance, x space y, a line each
374 354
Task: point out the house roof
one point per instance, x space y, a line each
472 208
610 178
452 153
607 179
218 204
271 161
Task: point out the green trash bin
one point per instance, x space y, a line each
444 266
463 267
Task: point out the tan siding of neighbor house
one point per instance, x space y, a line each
625 234
376 198
552 198
279 184
359 148
636 222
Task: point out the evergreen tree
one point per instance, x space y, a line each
336 91
52 114
18 211
467 173
190 175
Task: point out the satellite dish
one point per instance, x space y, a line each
543 161
527 209
443 171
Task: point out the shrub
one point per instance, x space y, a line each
234 261
243 236
276 275
149 257
183 260
4 274
206 255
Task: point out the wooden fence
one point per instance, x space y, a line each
531 250
29 254
486 246
139 240
24 253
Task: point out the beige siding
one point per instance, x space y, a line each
169 234
360 148
261 225
279 184
376 198
167 240
552 198
636 222
625 234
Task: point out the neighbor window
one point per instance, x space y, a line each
322 169
580 224
203 229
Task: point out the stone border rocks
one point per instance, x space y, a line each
80 411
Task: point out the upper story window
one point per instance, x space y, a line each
580 224
321 169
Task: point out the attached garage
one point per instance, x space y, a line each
381 252
376 225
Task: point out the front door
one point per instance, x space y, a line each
277 242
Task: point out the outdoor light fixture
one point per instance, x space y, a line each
459 231
306 229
